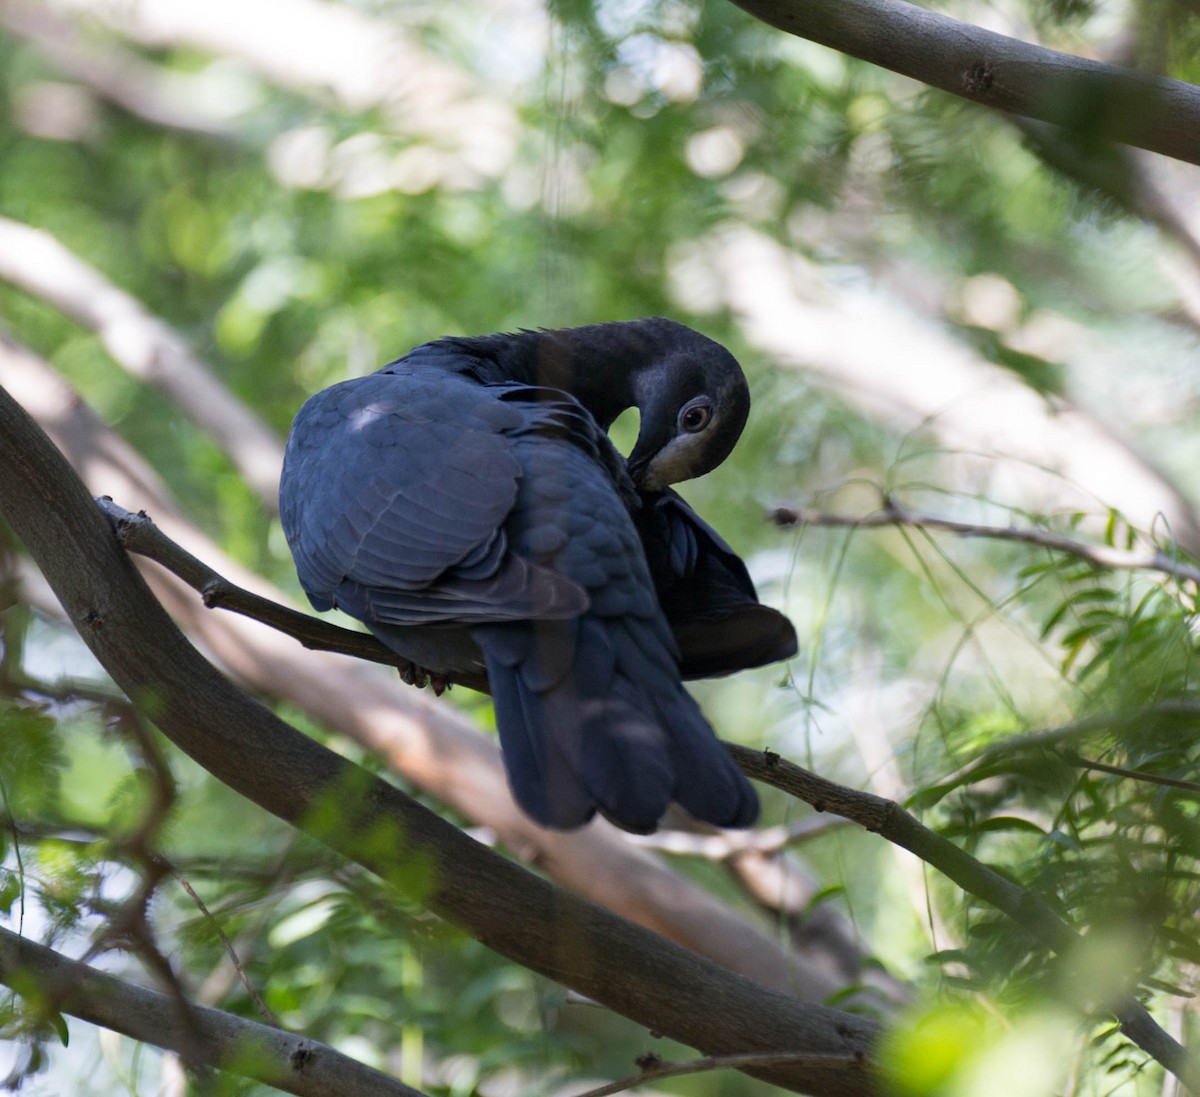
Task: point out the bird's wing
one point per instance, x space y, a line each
706 593
394 494
591 711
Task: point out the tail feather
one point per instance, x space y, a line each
708 784
626 764
616 733
542 755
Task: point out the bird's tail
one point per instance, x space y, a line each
592 717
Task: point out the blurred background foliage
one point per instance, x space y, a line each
304 220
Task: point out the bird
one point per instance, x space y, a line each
703 587
466 504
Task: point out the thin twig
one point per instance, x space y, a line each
139 534
234 959
722 845
1135 774
129 923
891 514
654 1069
981 765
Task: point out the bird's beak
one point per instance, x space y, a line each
637 466
652 437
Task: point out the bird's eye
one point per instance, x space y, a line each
694 417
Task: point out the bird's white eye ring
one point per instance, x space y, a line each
696 415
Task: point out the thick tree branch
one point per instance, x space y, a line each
143 345
585 947
889 820
425 742
209 1037
1092 100
158 95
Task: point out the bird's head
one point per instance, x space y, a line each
690 391
693 400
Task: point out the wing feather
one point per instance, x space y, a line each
394 496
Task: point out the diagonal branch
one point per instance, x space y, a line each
138 533
291 1063
1091 99
424 742
530 921
144 346
889 820
154 93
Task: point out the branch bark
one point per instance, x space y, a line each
1090 99
208 1037
559 935
424 741
889 820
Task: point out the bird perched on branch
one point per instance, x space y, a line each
466 504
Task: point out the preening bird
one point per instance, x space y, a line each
466 504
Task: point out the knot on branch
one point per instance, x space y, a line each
978 78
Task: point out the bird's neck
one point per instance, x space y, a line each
599 365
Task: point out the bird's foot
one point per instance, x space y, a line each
413 675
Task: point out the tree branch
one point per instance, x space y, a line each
892 514
518 915
912 375
654 1069
423 741
212 1037
1090 99
157 95
138 533
143 345
366 62
889 820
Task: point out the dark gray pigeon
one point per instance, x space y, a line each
466 504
